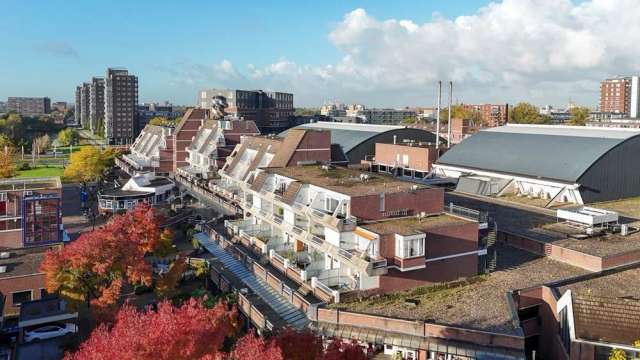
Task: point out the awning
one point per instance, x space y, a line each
365 234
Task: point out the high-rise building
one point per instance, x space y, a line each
272 111
29 105
121 101
619 95
96 104
85 96
78 106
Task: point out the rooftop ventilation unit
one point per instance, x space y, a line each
3 269
588 216
5 255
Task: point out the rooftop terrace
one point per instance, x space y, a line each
412 225
346 181
480 303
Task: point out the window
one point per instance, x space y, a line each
409 247
382 202
43 293
330 204
564 330
21 296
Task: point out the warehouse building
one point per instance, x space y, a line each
550 162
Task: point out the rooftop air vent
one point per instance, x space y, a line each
3 269
5 255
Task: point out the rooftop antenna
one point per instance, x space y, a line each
449 120
438 115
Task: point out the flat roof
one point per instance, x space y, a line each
615 284
22 262
31 183
345 181
480 303
412 225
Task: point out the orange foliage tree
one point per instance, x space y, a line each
191 331
95 267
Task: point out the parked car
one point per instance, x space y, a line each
50 331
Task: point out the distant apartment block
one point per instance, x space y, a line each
271 111
382 116
619 95
60 106
121 101
30 106
492 115
333 110
85 105
96 104
3 107
148 111
77 114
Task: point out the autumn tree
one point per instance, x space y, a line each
251 346
579 115
190 331
167 284
42 143
94 268
161 121
86 165
295 344
457 111
7 157
525 113
68 137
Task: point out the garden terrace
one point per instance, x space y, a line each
479 303
346 181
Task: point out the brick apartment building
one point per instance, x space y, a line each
30 106
30 223
619 95
492 115
120 106
271 111
462 128
77 113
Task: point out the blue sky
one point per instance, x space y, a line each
316 49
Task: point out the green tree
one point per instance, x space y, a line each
68 137
579 115
457 111
525 113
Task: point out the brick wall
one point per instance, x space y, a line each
428 200
420 158
9 285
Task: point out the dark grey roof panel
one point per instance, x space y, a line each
554 156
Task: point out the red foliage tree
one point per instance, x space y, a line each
341 350
251 346
96 266
299 345
189 332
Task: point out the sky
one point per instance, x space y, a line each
378 53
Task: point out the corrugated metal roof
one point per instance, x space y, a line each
560 153
348 135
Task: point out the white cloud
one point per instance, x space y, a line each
543 51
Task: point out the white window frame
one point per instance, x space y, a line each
404 244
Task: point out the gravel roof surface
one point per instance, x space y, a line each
480 304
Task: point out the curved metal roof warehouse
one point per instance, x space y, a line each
355 141
602 161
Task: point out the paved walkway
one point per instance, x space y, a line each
292 315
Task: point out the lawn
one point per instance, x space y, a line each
41 172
